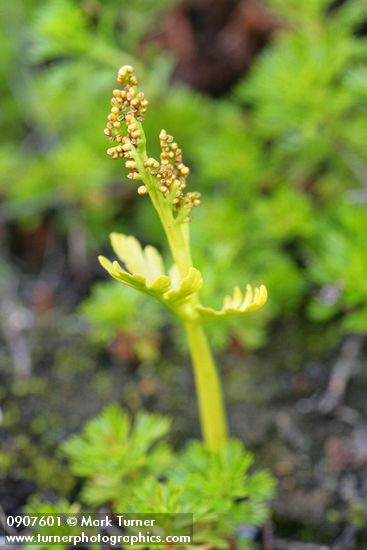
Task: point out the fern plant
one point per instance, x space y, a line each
165 181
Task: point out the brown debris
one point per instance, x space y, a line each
215 41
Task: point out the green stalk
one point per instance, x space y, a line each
208 387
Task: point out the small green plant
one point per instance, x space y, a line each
143 269
126 465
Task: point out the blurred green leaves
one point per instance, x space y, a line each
338 266
115 455
301 95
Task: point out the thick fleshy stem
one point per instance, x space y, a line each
208 387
